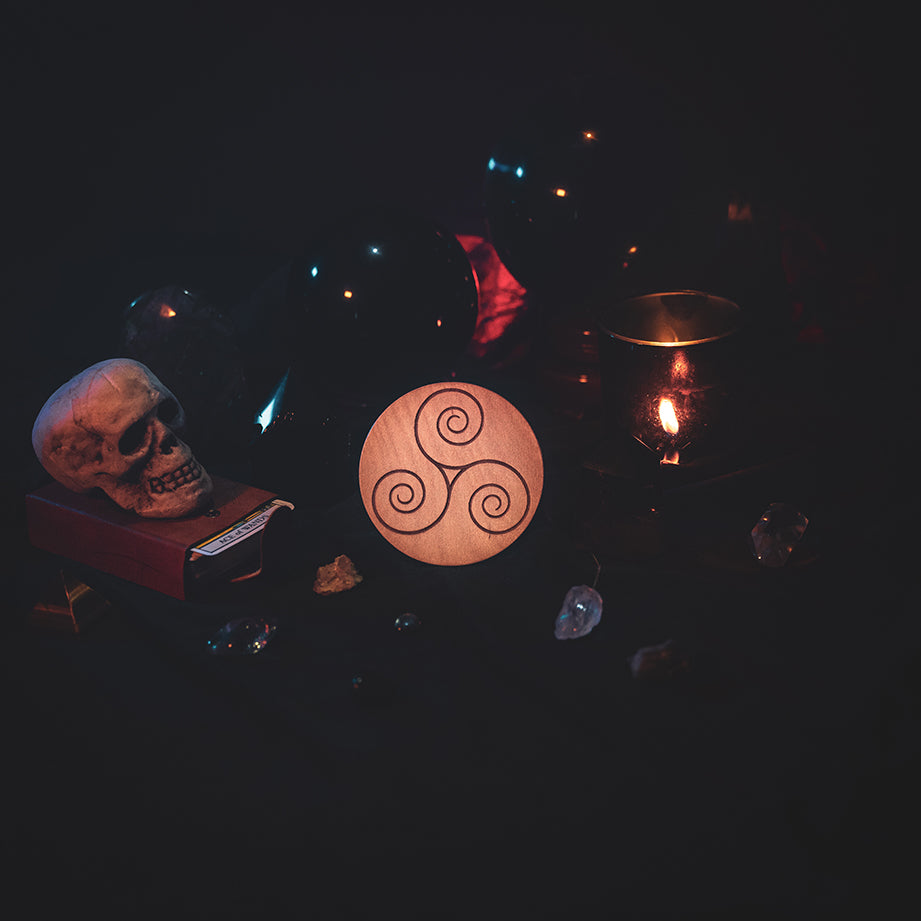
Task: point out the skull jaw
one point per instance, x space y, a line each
174 503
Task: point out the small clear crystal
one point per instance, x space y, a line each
406 623
776 533
580 614
244 636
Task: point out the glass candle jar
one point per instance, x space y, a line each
665 369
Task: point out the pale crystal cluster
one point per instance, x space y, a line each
338 576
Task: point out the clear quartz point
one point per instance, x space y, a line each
776 533
580 614
244 636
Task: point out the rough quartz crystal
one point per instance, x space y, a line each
338 576
580 614
776 533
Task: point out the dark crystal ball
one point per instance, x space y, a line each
380 303
575 196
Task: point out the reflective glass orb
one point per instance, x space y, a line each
572 198
191 346
381 303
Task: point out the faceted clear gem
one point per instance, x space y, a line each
580 614
776 533
406 623
658 662
244 636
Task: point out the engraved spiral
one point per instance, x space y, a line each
499 504
399 492
447 475
446 425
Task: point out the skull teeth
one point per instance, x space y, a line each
181 476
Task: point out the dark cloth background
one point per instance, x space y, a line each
507 775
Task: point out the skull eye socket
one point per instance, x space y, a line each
133 437
168 411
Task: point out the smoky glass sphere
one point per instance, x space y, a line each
192 346
573 195
383 301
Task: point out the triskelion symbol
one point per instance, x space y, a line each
490 505
451 473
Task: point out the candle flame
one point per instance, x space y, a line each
667 416
166 311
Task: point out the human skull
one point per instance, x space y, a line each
112 427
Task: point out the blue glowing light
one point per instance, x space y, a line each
375 250
494 164
271 409
313 271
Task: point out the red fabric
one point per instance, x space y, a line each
502 300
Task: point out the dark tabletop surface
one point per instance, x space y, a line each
499 773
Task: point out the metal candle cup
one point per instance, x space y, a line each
664 363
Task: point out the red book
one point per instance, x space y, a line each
170 555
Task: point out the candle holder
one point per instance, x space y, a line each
666 363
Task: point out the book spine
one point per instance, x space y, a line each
112 548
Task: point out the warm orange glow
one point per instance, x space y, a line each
346 293
560 193
583 378
166 311
632 250
667 416
669 457
588 135
438 322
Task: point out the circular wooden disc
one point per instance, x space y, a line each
451 474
